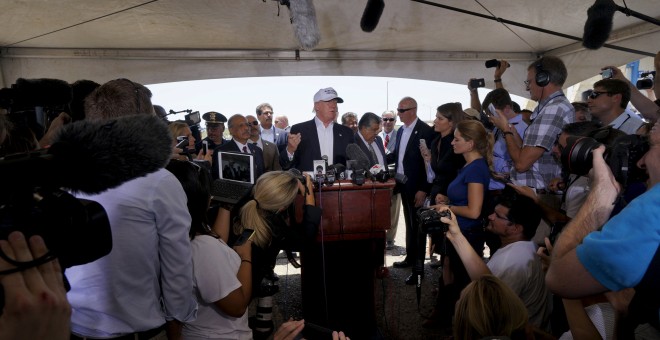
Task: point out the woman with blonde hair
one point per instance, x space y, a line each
186 152
269 211
488 307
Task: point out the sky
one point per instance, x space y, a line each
293 96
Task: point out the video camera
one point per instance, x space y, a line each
646 80
34 103
621 157
429 221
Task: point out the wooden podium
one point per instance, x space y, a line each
342 263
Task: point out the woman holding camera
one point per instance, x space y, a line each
269 212
183 143
465 197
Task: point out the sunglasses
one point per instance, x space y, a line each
255 123
404 110
596 94
388 119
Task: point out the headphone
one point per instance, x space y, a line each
542 78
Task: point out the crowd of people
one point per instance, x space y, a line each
562 196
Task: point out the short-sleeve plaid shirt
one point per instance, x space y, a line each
548 119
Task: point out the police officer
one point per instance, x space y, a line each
215 127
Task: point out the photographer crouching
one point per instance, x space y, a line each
270 212
514 220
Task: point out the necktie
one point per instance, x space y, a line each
374 158
387 140
245 149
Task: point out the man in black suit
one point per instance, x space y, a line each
240 132
409 162
310 140
270 132
368 140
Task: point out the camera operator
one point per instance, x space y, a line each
646 107
268 211
514 221
588 259
35 304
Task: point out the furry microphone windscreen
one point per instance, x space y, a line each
29 93
371 15
305 27
598 26
93 156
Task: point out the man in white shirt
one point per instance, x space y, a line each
514 221
270 132
608 102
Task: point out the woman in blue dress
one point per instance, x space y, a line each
466 195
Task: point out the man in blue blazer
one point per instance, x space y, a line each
409 162
321 136
270 132
240 132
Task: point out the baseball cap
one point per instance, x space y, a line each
327 94
472 113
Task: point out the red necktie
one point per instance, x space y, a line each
245 149
387 140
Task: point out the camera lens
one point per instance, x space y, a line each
576 156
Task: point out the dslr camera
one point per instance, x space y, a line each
621 157
429 221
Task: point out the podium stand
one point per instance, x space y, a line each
339 270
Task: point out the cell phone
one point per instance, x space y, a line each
183 142
607 73
205 146
244 237
475 83
492 63
422 144
492 110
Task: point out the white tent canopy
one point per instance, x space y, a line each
175 40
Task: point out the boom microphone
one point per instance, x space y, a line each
92 157
371 15
598 26
305 27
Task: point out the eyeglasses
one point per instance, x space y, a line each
596 94
404 110
255 123
502 218
388 119
527 82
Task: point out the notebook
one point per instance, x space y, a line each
235 177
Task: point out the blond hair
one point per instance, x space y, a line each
488 307
273 192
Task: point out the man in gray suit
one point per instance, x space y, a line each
388 136
271 154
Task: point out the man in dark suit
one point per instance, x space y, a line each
310 140
240 132
368 140
271 154
270 132
409 162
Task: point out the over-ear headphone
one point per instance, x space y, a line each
542 78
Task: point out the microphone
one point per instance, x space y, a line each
353 152
305 27
598 26
371 15
41 92
92 157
